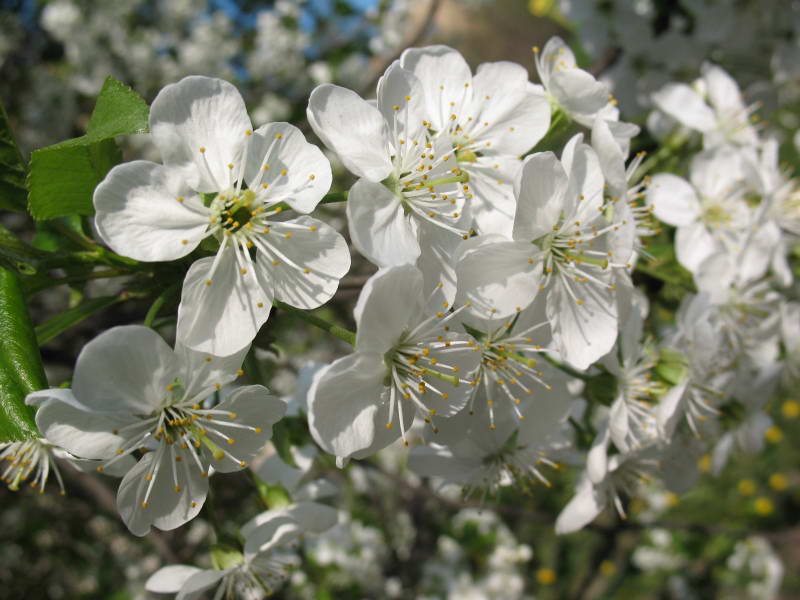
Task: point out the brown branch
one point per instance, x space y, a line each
420 34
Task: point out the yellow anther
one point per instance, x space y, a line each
278 136
202 149
239 372
208 282
287 235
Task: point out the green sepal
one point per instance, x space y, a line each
224 557
672 366
601 388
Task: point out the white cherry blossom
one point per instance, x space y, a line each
713 106
132 395
411 190
258 571
223 180
560 251
709 211
405 363
490 118
514 449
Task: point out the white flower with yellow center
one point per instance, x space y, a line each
223 180
514 449
405 363
713 106
411 191
267 561
490 118
132 395
560 249
709 211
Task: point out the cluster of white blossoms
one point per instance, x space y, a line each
503 308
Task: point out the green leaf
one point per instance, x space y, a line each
60 323
63 177
12 168
119 111
21 369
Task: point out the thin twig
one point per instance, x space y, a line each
104 498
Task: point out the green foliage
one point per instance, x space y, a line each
63 177
12 168
21 369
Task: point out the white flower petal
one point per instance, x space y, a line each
499 278
224 317
685 105
125 369
540 196
389 301
582 332
253 407
436 263
694 244
165 508
351 127
342 403
491 180
312 516
199 583
578 91
168 580
428 461
295 171
445 77
379 227
145 211
670 410
401 101
584 507
318 256
201 112
612 160
673 199
201 370
518 113
84 433
279 529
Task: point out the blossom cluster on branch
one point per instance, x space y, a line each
506 334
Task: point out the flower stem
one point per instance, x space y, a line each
566 368
152 312
672 144
340 332
334 197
